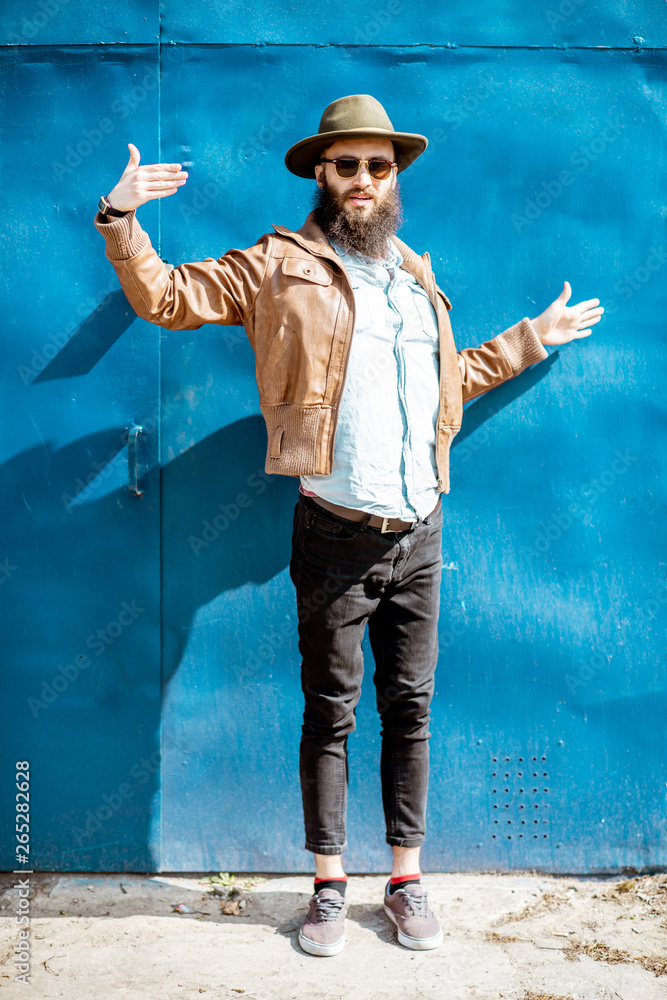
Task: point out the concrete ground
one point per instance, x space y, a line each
518 937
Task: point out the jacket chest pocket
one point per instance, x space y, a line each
310 271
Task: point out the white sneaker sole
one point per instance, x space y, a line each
417 944
325 950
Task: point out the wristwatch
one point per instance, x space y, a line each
105 208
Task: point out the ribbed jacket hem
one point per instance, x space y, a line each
521 345
293 435
124 236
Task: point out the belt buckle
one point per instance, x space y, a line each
383 527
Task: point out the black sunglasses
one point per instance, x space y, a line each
348 166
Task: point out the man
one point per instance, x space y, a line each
361 388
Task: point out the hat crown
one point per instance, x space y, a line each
357 116
356 111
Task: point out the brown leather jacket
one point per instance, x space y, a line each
292 294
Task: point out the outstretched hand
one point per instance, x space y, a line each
139 184
560 323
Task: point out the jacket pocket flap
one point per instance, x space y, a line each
309 270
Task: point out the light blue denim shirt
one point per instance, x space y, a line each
384 449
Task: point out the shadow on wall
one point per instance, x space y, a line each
225 523
79 354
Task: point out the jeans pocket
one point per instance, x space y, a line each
331 527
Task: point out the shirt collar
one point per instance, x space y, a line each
393 257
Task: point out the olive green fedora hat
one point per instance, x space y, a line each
359 116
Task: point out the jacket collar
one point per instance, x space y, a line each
311 238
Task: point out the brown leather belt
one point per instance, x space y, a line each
383 524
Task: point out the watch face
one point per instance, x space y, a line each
103 205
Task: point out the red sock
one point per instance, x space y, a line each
338 883
400 880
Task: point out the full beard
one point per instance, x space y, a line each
360 232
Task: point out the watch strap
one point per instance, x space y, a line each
105 208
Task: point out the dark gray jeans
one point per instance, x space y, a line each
345 576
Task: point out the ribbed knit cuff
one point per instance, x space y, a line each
521 345
124 236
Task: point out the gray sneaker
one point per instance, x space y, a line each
323 930
417 925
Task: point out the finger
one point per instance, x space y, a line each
592 312
567 291
135 157
590 322
163 178
163 194
587 303
162 166
160 175
159 185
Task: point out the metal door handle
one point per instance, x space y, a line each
132 461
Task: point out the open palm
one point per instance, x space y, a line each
560 323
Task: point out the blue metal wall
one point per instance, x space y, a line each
175 746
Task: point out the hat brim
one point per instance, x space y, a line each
303 156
